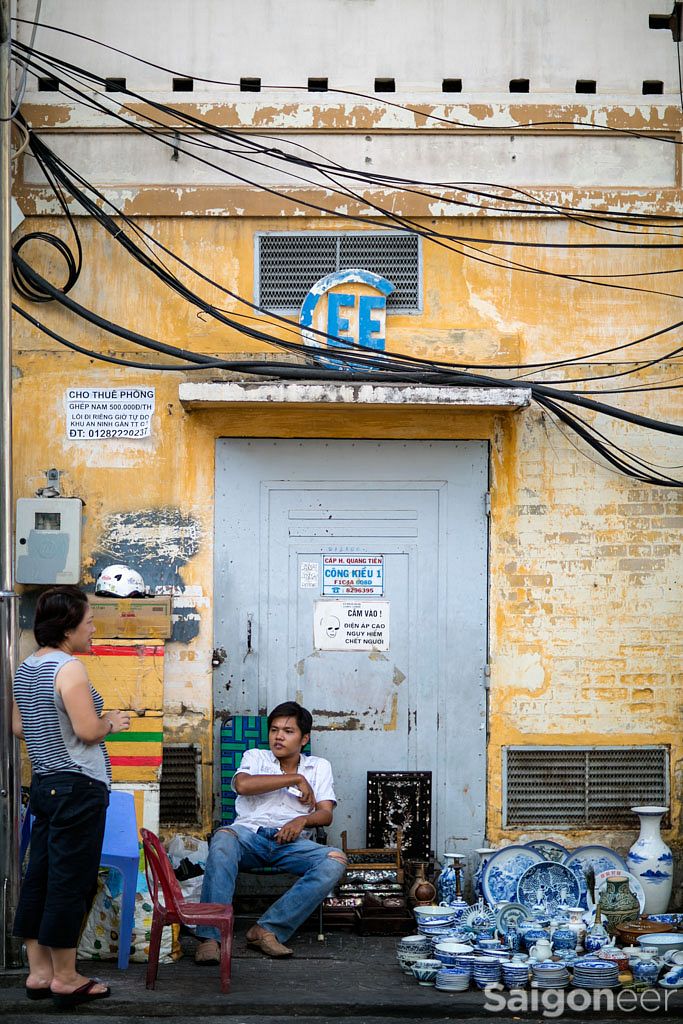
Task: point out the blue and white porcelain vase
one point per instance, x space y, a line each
447 882
485 854
651 860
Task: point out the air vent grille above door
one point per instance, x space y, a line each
288 264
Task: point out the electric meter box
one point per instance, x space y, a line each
48 547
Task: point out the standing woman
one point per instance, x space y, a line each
59 714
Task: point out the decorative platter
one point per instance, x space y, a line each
600 858
633 884
509 915
550 885
478 918
503 871
549 849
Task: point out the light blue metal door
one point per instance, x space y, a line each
285 511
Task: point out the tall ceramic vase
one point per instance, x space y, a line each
651 860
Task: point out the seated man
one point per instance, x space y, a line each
282 794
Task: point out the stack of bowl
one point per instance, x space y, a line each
485 971
550 975
448 951
425 971
435 922
410 949
453 979
515 974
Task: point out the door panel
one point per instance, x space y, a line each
420 704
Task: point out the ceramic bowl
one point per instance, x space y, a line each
406 960
425 971
432 915
674 957
663 941
414 944
448 982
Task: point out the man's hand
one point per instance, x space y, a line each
307 797
292 830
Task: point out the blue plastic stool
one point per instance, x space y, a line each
120 850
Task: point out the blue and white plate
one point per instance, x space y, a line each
478 918
509 916
548 884
600 858
549 849
503 871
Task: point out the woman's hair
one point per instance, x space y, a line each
290 709
58 610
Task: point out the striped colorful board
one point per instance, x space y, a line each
130 676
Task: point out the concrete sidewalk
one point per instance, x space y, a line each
346 977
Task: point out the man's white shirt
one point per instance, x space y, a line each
275 809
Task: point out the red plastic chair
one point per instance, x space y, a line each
177 910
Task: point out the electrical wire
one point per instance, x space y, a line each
57 165
406 224
361 95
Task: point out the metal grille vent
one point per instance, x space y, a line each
582 787
288 264
179 788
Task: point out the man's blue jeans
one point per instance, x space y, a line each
237 846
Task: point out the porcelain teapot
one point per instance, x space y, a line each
542 949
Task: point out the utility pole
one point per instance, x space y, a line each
9 761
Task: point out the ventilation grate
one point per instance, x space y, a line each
582 787
288 264
179 791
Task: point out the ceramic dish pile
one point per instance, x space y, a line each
449 952
663 942
425 971
410 949
485 971
589 972
451 935
515 975
435 922
453 979
549 975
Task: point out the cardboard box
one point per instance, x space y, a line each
128 618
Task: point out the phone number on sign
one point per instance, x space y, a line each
96 432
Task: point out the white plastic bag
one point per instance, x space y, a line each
181 847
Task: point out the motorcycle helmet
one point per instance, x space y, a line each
120 581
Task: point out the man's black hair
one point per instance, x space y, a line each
290 709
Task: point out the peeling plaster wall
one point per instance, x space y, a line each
585 566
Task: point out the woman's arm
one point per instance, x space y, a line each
17 727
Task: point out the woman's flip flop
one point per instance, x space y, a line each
38 993
84 994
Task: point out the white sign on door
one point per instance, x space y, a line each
309 575
353 574
351 625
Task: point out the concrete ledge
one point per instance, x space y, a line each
218 394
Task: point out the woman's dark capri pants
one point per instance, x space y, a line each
66 844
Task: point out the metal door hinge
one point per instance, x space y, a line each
487 676
487 503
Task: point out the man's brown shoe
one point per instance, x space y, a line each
268 944
208 953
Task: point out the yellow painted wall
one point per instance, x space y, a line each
585 565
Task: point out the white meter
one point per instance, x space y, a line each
48 547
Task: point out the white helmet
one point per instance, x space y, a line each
120 581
